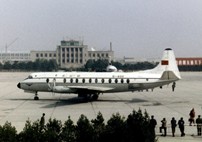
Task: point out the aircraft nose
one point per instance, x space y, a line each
19 86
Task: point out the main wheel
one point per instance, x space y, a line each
95 97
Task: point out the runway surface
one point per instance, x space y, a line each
17 106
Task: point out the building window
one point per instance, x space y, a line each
37 55
45 54
50 55
41 55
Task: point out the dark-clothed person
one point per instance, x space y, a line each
163 126
42 121
173 126
192 116
152 125
199 125
181 126
173 86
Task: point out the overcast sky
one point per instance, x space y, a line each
136 28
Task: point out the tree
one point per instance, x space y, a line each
8 133
52 130
84 130
68 131
115 129
31 132
138 127
98 127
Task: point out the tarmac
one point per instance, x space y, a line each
17 106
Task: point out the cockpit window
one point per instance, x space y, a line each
30 77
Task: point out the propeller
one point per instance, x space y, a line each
51 86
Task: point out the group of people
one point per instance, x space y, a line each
163 127
174 124
198 121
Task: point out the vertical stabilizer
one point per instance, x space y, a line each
168 64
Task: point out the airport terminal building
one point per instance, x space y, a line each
72 54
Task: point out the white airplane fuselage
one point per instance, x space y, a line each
94 83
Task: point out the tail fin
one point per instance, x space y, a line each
168 66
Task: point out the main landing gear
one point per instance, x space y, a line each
89 97
36 96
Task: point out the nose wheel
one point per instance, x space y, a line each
36 96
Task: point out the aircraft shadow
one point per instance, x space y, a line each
51 103
76 100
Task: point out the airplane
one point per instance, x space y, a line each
90 85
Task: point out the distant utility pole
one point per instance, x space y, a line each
6 48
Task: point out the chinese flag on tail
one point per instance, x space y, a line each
164 62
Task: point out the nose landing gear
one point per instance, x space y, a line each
36 96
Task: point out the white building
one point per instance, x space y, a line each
72 54
14 56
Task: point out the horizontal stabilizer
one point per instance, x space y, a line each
169 75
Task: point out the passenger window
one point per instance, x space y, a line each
96 80
128 80
71 80
116 80
122 81
110 80
90 80
77 80
47 80
103 80
64 80
83 80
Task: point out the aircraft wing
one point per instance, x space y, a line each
91 88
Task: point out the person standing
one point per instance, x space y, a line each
164 126
181 126
173 86
199 125
42 121
173 126
192 116
152 125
